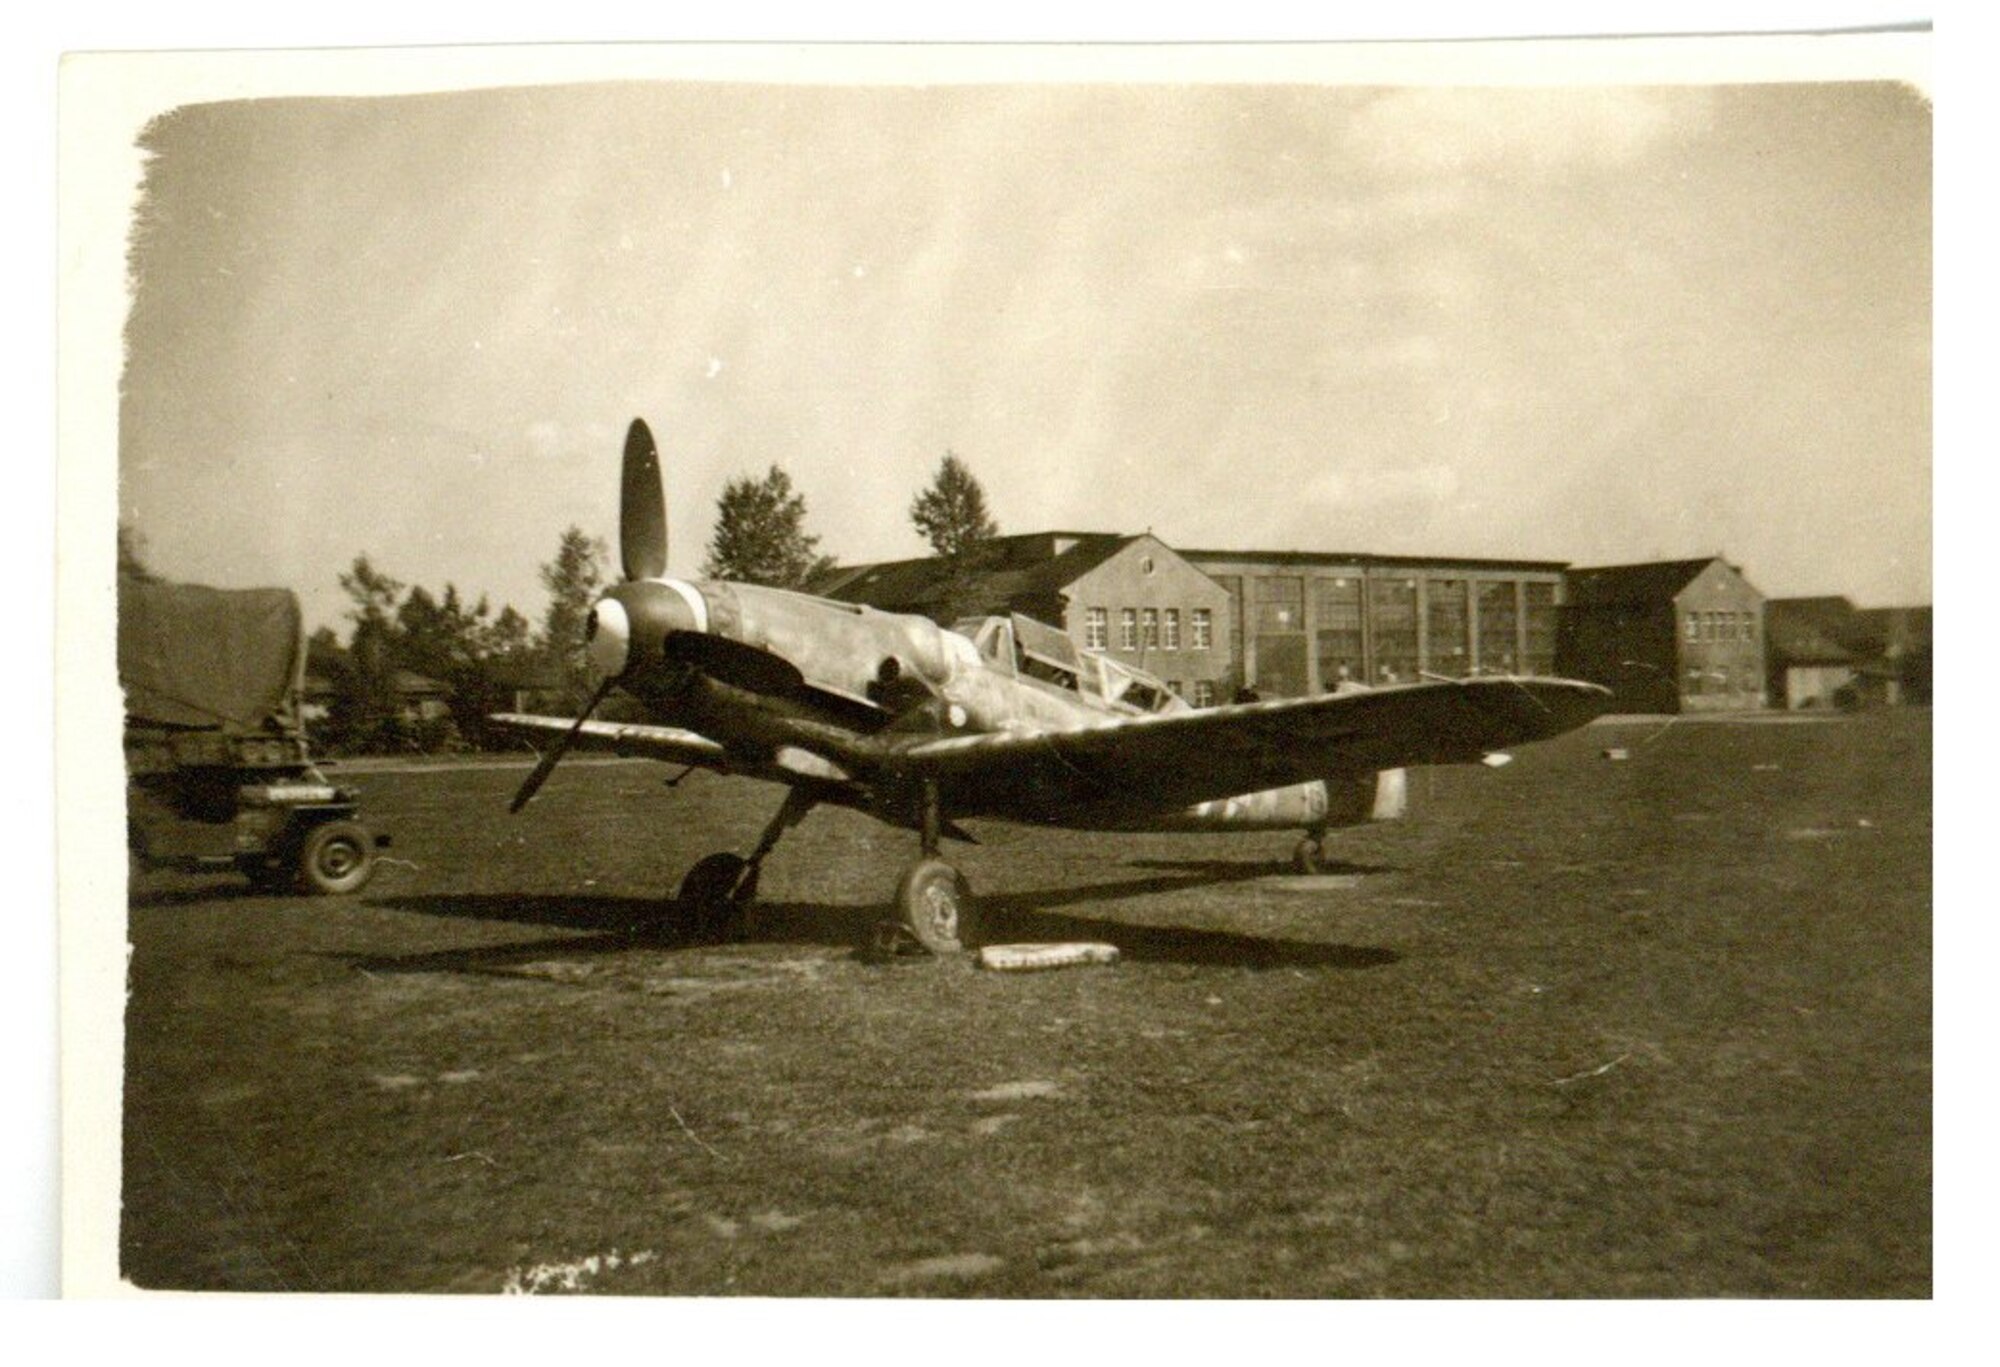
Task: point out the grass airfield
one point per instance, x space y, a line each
1658 1027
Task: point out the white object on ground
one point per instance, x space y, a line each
1028 958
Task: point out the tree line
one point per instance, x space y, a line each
488 660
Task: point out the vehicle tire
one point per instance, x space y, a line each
337 857
1309 856
935 905
713 897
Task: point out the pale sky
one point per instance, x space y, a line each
1584 324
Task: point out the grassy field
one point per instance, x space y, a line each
1579 1028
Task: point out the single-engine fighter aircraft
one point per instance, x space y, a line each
1003 718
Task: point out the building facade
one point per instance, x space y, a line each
1825 652
1215 623
1666 636
1146 606
1132 597
1306 622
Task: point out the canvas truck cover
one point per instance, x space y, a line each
220 659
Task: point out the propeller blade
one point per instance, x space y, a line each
546 765
642 507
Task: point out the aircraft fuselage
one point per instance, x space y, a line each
820 691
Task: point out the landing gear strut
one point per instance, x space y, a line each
934 903
716 894
1309 855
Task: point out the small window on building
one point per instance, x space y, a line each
1693 627
1128 628
1149 628
1203 627
1204 693
1174 687
1096 628
1170 631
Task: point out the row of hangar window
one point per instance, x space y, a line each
1720 626
1148 629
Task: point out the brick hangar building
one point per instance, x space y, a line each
1212 622
1664 636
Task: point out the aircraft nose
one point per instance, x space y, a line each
629 624
607 637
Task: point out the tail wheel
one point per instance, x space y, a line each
337 857
935 905
1309 856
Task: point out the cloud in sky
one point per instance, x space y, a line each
1585 324
1425 132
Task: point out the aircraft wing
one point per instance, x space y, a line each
669 743
1187 757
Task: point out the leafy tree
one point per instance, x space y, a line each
951 514
364 712
373 592
509 634
573 580
430 634
760 535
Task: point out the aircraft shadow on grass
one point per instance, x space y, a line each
614 924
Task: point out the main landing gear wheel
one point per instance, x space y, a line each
935 905
715 897
1309 856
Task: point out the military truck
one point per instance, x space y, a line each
217 770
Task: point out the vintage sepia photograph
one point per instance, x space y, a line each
1294 672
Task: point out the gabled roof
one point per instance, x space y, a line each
1904 629
1809 630
1658 581
410 684
1830 629
1341 559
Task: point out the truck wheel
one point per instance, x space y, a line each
337 857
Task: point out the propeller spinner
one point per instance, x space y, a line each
642 551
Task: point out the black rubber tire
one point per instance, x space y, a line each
336 858
714 898
1309 856
935 904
